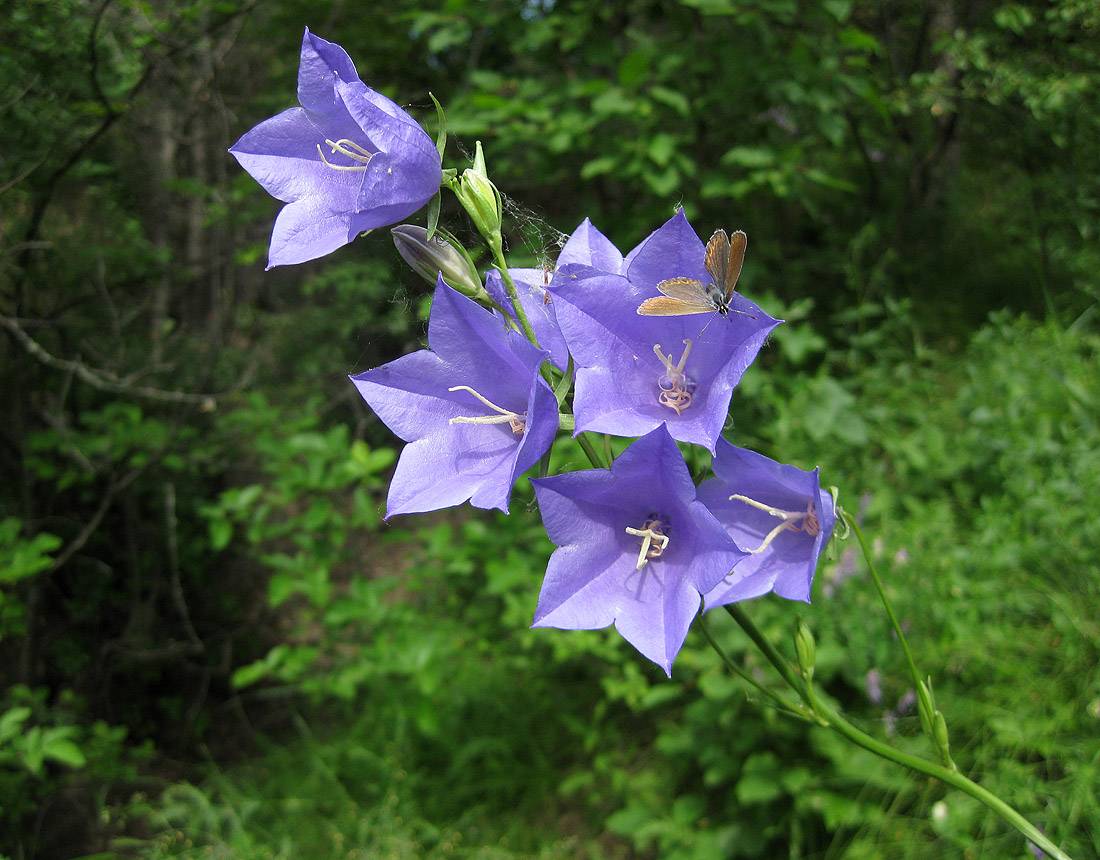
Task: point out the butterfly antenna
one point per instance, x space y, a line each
709 321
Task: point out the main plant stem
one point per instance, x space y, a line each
831 718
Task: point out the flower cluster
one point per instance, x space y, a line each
568 347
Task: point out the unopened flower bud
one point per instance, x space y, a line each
939 732
806 649
436 256
480 198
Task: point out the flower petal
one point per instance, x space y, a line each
305 230
322 64
589 247
461 462
671 251
388 127
281 154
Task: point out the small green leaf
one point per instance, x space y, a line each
598 166
661 148
760 780
12 722
749 156
672 99
65 751
221 532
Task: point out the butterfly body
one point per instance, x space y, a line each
686 296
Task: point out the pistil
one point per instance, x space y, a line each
654 541
348 149
516 422
798 521
676 388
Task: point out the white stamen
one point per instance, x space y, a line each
348 149
654 541
518 422
805 521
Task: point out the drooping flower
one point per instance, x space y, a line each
777 513
635 548
347 161
636 372
586 246
473 408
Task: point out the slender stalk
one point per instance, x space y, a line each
590 452
842 727
776 699
882 596
513 293
767 648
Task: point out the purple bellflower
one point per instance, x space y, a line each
635 548
473 408
587 246
345 162
778 514
635 372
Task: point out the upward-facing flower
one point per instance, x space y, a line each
586 246
347 161
635 548
472 407
778 514
636 372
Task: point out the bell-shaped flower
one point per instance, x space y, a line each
347 161
778 514
472 407
586 246
637 372
635 548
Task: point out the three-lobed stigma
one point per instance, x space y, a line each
675 389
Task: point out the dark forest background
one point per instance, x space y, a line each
211 647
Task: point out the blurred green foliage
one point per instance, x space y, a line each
212 646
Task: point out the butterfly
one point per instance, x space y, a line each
684 296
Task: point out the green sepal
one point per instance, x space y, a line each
433 214
441 132
939 732
565 385
926 706
806 649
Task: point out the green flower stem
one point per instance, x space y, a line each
842 727
590 452
851 521
781 703
510 288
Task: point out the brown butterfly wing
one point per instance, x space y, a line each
717 258
665 306
739 242
684 289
